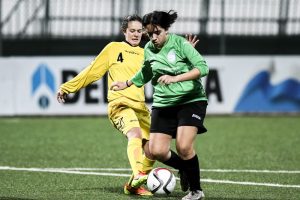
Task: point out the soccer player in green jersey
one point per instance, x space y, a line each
127 110
174 68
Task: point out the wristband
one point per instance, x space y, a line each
127 84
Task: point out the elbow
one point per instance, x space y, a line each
204 72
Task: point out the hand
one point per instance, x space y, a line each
116 86
167 79
192 39
61 96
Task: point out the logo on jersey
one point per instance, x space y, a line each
171 56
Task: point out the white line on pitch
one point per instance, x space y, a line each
127 175
204 170
60 171
253 171
250 183
93 169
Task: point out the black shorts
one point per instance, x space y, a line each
167 119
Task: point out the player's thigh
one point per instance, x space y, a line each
144 117
123 119
193 114
160 144
185 138
164 120
190 123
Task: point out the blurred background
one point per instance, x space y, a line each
83 27
252 48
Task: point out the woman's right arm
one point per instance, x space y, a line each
143 76
90 74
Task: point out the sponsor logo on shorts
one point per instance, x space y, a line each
196 116
119 124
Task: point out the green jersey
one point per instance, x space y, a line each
177 56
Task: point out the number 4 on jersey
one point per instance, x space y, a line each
120 57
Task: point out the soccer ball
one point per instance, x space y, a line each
161 181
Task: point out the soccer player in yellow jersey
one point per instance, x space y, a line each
127 110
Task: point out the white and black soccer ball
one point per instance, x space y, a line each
161 181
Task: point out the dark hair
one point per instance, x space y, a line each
161 18
129 18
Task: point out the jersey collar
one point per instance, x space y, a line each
129 43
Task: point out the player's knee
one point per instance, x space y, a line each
159 153
185 151
147 151
134 133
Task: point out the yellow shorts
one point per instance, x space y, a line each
126 114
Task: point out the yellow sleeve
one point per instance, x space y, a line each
90 74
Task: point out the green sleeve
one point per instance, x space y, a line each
143 76
195 58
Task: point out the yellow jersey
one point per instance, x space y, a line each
121 61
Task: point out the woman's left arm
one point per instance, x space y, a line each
190 75
200 68
195 58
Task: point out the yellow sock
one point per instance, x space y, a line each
147 164
135 155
